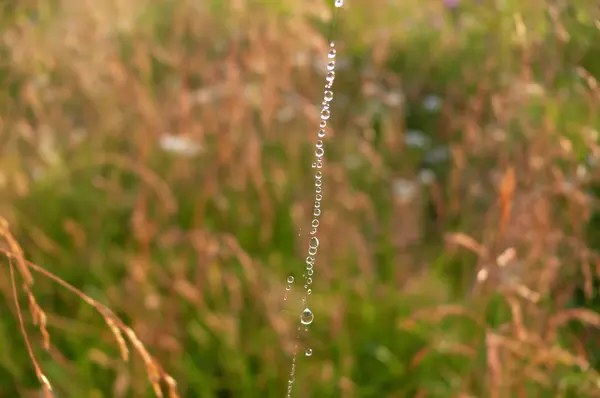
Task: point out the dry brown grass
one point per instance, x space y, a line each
99 84
156 374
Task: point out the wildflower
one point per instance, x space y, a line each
405 190
426 176
179 145
451 3
432 103
437 155
416 139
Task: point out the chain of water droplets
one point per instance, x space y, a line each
307 316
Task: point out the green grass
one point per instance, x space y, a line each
193 253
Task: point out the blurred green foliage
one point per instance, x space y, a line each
105 226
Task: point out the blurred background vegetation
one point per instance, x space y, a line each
155 154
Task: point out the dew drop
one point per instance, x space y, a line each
290 279
314 241
339 3
307 317
288 288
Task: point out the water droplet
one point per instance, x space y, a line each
309 280
314 241
325 114
331 66
307 317
328 95
308 352
310 271
331 53
309 291
330 76
322 133
339 3
290 279
288 288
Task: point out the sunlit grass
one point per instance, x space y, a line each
156 156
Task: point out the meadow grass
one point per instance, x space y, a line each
155 170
